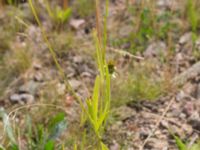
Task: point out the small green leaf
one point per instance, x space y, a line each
49 145
55 120
95 98
180 144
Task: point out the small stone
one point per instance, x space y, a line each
15 98
37 66
155 49
194 116
180 96
38 77
185 38
61 88
76 23
164 124
182 116
29 87
70 71
27 98
188 108
78 59
86 74
22 98
75 83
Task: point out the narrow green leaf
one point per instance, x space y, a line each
180 144
49 145
95 97
103 146
7 126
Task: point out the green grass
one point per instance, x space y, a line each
192 14
139 84
85 8
58 15
43 136
183 146
147 26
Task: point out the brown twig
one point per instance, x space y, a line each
125 53
65 4
158 123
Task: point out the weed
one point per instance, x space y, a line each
63 41
192 14
85 8
13 63
139 84
98 106
182 146
58 15
37 135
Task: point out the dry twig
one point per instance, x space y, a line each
158 123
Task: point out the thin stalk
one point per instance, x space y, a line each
61 72
98 28
47 5
65 4
105 29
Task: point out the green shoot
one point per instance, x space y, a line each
98 106
58 15
192 15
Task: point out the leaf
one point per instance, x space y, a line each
180 144
63 15
66 14
2 148
103 146
75 146
7 126
49 145
55 120
58 130
14 147
195 147
95 98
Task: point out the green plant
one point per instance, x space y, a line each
85 8
62 15
98 105
37 136
12 2
192 14
140 84
58 15
182 146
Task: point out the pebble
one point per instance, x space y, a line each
76 23
75 83
15 98
185 38
38 77
155 49
27 98
29 87
22 98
